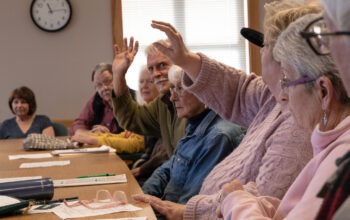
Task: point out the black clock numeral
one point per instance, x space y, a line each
40 5
63 18
45 23
51 25
39 18
58 23
36 11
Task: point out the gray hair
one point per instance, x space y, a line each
339 12
291 49
175 74
151 49
100 68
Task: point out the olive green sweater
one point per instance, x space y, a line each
157 118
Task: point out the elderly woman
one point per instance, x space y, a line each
23 105
318 101
274 150
207 141
332 35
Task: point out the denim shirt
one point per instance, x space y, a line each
202 147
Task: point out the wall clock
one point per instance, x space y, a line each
51 15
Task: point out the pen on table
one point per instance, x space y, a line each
44 202
98 175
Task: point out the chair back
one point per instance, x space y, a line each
60 129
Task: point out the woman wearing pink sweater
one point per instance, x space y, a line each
316 97
274 149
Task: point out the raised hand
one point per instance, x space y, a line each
177 51
170 210
123 58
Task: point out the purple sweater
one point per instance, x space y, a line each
273 151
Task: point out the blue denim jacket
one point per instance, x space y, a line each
197 153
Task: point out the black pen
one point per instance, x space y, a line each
44 202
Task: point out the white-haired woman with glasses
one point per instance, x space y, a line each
207 141
317 100
331 34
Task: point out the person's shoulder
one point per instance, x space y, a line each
42 118
8 121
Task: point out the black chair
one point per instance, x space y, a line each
60 129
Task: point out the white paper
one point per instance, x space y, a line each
6 200
101 149
45 164
29 156
6 180
65 212
91 181
130 218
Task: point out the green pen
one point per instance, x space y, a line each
98 175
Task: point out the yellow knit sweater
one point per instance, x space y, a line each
125 142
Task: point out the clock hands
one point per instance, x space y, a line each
50 10
61 9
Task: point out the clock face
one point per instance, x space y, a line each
51 15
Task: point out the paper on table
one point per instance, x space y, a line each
6 180
101 149
29 156
64 212
45 164
90 181
130 218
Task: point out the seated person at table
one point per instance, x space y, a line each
207 141
155 154
97 115
23 105
158 118
318 101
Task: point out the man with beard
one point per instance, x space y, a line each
158 118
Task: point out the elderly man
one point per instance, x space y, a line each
157 118
97 115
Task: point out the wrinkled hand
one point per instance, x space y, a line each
136 171
176 52
170 210
99 129
80 137
123 58
227 189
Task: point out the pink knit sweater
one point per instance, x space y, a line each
300 202
272 153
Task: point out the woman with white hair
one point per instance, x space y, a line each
331 34
207 141
317 100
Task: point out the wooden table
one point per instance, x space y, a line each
80 164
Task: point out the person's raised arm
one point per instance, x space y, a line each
122 60
177 51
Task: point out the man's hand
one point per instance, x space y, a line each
122 60
99 129
170 210
84 138
136 171
227 189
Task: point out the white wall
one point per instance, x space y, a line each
56 66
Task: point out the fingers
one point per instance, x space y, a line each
116 49
236 184
125 44
218 211
141 198
131 45
164 50
164 24
169 30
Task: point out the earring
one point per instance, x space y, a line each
324 118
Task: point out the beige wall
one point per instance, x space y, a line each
57 66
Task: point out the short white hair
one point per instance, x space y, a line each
339 12
175 74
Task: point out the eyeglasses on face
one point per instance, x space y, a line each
103 200
286 84
317 35
107 83
178 90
